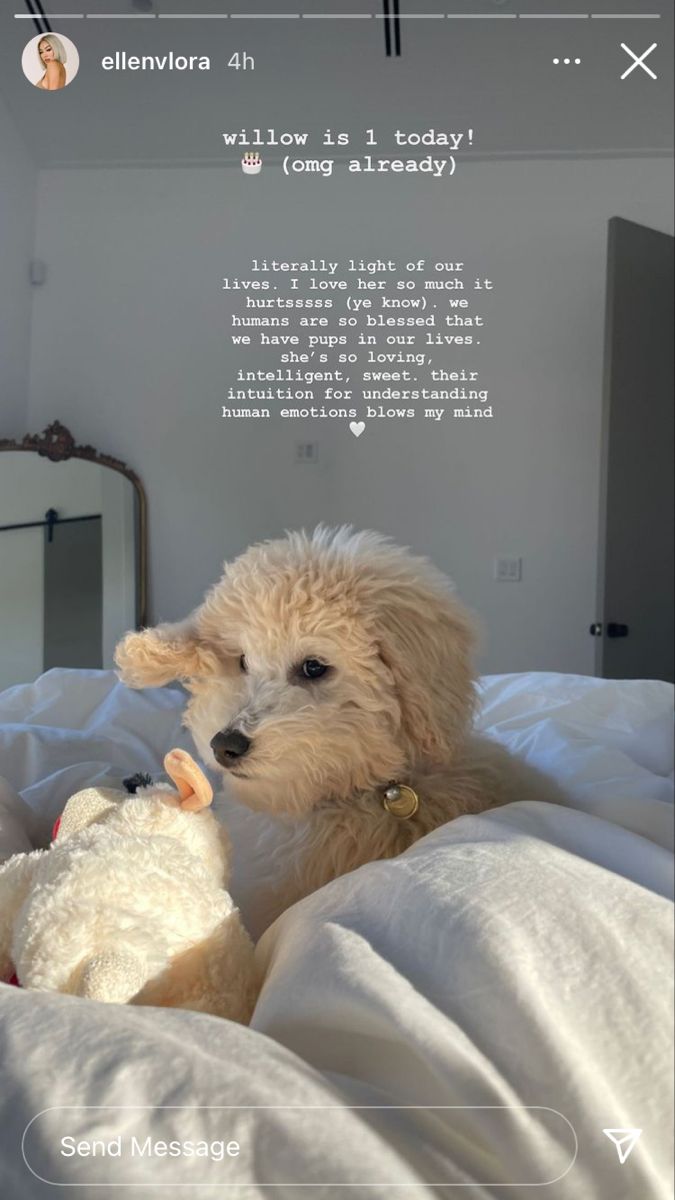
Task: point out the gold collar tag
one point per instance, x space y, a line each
401 801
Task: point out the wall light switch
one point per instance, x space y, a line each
307 452
37 272
508 569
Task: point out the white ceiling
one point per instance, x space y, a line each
494 75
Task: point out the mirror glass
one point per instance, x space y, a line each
69 585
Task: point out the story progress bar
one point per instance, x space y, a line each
431 16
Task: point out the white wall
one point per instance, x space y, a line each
130 349
17 231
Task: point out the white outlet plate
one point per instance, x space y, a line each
508 568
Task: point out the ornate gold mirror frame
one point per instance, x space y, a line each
58 445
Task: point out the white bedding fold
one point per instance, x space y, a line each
520 960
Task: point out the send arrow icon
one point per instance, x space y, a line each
625 1140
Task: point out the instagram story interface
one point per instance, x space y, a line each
336 677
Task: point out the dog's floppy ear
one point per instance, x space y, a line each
427 641
152 657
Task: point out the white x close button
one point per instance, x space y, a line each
639 60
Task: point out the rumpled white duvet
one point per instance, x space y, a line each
471 1015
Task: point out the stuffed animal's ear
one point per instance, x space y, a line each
153 657
87 808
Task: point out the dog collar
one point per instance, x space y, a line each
401 801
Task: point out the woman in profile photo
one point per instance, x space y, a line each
52 56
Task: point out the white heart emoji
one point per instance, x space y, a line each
357 427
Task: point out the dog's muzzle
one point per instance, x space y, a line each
229 746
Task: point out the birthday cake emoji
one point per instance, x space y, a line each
251 163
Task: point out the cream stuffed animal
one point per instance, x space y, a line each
128 905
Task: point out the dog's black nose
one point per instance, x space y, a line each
229 745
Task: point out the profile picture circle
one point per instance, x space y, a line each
50 61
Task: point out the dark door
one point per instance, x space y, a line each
73 595
636 603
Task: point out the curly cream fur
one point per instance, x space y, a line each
397 704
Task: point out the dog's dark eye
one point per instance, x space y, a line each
313 669
242 663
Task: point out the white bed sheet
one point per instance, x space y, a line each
518 962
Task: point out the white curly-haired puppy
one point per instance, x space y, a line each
331 681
